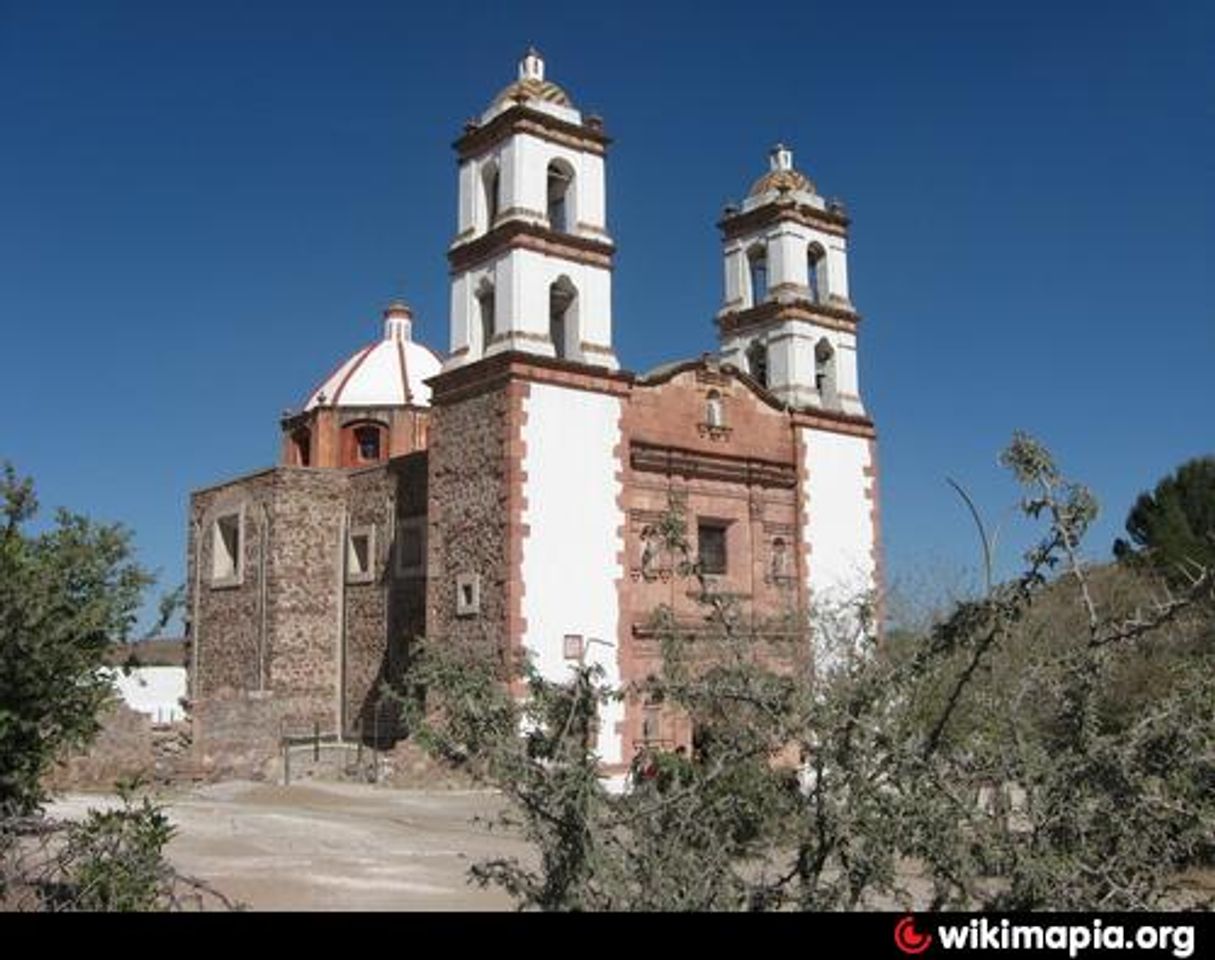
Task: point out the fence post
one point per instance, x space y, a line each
375 756
316 741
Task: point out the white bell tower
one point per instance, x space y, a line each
531 264
787 318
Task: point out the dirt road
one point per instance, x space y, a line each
331 846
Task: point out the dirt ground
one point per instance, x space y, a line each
321 845
331 846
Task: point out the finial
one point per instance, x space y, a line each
780 157
531 67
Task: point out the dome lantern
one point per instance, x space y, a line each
398 321
531 67
780 158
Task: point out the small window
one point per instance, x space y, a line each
493 186
757 363
816 262
561 296
711 545
651 551
226 566
558 192
302 441
468 595
780 560
411 547
651 723
485 301
824 373
757 259
367 443
360 555
714 415
573 646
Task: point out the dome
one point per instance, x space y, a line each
782 177
529 89
789 181
531 85
388 373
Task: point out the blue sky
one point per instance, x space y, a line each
203 207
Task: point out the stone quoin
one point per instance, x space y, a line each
507 491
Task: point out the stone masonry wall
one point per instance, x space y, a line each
123 748
406 591
228 636
239 735
468 514
264 648
371 508
303 593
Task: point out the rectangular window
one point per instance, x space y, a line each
812 270
759 279
711 545
360 555
468 595
226 567
411 547
367 440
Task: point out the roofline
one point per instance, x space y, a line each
240 478
702 362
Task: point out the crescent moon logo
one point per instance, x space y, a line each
908 939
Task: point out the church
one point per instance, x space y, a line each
507 490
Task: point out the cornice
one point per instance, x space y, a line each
523 119
746 222
500 368
526 235
774 311
669 460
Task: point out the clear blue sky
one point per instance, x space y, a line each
203 206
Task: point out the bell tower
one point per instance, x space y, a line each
787 319
531 263
525 468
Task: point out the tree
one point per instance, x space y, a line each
66 594
1174 525
909 778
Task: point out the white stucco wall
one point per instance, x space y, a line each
156 691
791 363
570 552
787 244
522 281
838 524
521 278
522 162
